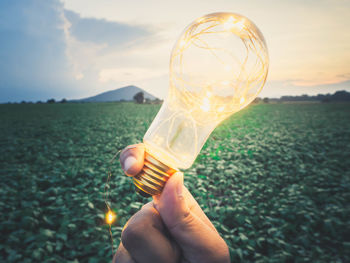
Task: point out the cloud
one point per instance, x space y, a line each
32 50
47 51
130 74
101 31
122 54
320 79
89 41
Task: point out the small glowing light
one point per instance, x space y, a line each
221 109
242 100
182 43
110 217
230 23
225 83
208 94
200 20
228 68
206 105
240 25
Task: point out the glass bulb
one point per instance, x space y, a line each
218 66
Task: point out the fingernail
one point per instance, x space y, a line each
179 182
129 162
134 146
130 147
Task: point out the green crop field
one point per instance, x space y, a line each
274 179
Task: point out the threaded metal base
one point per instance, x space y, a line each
153 176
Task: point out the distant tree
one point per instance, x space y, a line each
148 101
157 101
38 102
341 95
257 100
139 97
63 100
266 100
305 97
51 101
23 102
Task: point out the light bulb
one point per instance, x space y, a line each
218 66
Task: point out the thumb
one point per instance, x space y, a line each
171 204
198 241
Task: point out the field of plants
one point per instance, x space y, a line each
274 179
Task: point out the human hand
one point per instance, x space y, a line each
172 228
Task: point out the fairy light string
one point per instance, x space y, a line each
110 216
252 79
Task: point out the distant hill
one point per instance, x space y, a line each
126 93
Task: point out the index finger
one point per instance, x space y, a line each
131 159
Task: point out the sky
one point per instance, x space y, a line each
78 48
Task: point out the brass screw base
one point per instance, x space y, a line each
153 176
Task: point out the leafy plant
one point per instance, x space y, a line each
274 179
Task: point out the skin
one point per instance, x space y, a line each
171 228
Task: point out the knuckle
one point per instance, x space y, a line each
130 234
223 253
135 231
183 223
149 205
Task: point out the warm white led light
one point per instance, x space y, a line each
230 23
110 217
206 105
182 43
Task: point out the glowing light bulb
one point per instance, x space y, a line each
110 217
217 67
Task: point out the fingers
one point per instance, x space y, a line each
195 208
131 159
122 255
145 238
190 201
171 204
198 240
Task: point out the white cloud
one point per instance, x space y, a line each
130 74
111 63
79 76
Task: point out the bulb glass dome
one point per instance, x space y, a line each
218 66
